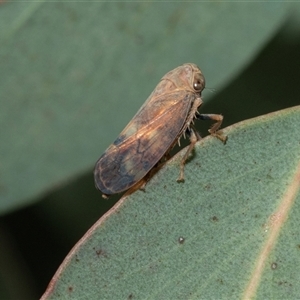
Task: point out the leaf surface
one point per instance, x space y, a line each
73 75
229 231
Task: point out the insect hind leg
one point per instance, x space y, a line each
194 137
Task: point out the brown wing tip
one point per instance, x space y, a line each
99 184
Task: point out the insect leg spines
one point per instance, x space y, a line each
190 118
193 139
192 114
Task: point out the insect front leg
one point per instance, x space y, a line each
214 129
194 137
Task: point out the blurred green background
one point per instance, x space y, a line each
73 75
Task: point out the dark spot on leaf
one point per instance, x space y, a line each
273 265
181 240
100 252
215 219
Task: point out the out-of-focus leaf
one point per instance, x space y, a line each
73 74
234 221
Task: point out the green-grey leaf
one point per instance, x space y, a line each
230 231
73 74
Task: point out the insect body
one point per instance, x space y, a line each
166 115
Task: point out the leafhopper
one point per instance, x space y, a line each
167 114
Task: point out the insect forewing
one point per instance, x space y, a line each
142 143
152 131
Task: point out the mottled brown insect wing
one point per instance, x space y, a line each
164 117
143 142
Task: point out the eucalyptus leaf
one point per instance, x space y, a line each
73 74
230 231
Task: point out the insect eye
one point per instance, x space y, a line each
198 85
